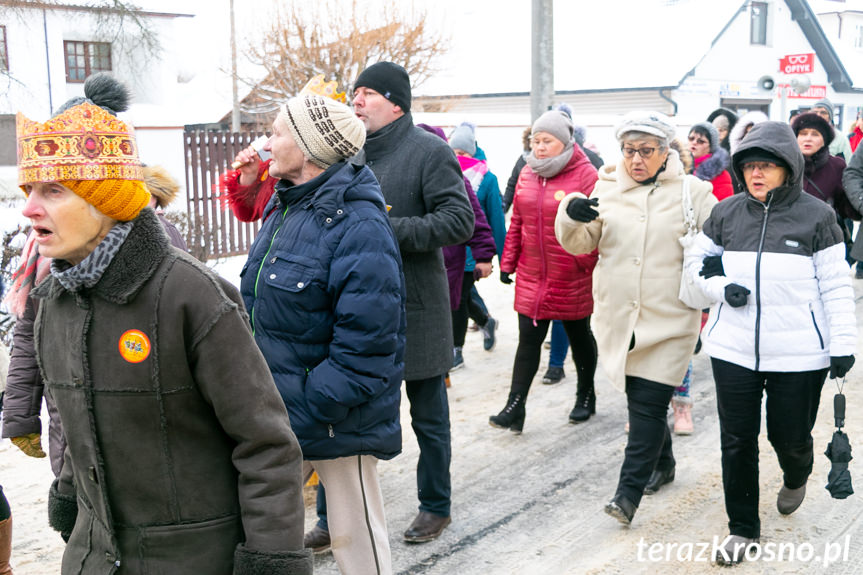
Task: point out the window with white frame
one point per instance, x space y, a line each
858 36
758 23
86 58
4 55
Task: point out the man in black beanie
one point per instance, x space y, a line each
422 182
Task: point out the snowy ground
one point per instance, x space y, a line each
532 504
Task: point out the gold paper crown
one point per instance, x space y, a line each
83 143
327 89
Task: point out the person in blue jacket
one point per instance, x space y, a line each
326 294
473 163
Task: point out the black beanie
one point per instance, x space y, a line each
814 121
389 80
758 155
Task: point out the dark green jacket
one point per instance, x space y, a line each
181 462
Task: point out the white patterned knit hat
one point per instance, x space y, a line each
326 131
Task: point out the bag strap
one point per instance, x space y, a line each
688 211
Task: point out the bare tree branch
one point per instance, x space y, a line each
325 37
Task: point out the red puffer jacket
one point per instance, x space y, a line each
550 283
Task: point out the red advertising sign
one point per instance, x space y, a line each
797 64
813 93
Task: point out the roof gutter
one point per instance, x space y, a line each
668 99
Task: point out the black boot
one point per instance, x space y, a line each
585 403
512 416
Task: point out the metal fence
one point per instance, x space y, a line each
212 230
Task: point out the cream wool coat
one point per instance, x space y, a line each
636 282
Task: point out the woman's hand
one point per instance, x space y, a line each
31 444
582 209
482 270
504 278
840 365
736 295
712 266
250 164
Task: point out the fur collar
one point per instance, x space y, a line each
707 168
136 261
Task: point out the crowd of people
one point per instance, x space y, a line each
374 235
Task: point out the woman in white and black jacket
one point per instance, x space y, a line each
774 262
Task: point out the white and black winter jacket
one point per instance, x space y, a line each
789 252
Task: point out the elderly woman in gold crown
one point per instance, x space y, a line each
180 456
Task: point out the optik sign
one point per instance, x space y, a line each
797 64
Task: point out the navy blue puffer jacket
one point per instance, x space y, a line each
326 294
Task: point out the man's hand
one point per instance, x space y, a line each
482 270
251 163
736 295
582 209
30 444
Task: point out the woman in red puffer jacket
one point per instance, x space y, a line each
550 283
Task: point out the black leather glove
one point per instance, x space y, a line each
736 295
504 278
712 266
582 209
840 365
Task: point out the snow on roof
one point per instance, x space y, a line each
615 44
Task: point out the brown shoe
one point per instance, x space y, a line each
318 540
425 527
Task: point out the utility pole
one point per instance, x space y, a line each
235 112
542 58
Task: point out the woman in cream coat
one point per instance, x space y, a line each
645 335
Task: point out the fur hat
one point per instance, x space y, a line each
646 122
722 116
464 138
390 80
87 149
556 123
814 121
161 184
740 129
325 130
709 131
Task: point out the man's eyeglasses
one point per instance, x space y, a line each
763 167
645 152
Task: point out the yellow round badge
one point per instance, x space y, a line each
559 195
134 346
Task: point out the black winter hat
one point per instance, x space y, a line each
814 121
390 80
757 155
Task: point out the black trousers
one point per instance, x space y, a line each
649 444
531 334
467 308
791 406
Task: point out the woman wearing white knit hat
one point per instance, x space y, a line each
325 291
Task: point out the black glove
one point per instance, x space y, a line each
504 278
839 366
736 295
581 209
712 266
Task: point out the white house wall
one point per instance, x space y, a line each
732 69
150 82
